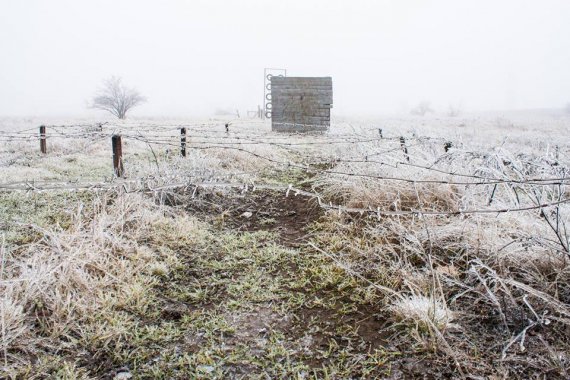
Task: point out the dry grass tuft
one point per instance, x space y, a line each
54 288
423 312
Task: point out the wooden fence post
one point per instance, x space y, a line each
404 148
117 155
183 142
43 145
380 132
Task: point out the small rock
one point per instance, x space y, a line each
247 214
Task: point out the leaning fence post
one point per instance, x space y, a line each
43 145
183 142
117 155
404 148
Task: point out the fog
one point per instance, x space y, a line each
190 57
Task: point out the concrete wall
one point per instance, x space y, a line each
301 104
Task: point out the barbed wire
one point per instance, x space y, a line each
237 143
254 138
315 170
148 185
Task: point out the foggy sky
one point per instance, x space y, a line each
190 57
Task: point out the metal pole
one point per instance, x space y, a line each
183 142
404 148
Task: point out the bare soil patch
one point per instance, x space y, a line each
271 211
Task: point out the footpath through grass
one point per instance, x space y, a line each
200 300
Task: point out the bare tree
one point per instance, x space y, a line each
422 108
454 110
116 98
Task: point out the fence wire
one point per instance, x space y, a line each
202 137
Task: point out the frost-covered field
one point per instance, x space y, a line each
436 247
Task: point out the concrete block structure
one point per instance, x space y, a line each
301 104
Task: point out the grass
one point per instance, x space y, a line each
423 312
179 284
195 303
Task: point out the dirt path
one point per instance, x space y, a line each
252 301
